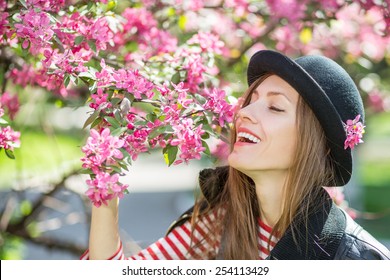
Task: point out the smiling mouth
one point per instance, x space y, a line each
247 138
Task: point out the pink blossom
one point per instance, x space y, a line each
331 5
100 33
171 113
134 83
208 42
79 24
136 143
188 139
292 10
23 77
287 40
1 111
3 22
9 139
100 148
100 100
35 30
240 6
376 101
141 26
104 187
354 130
105 76
216 103
336 194
195 69
138 20
193 5
220 150
11 102
3 5
46 5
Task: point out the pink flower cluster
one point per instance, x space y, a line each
208 42
104 187
188 139
130 80
354 130
9 139
11 103
3 23
291 10
133 82
46 5
142 27
102 150
35 30
137 142
216 103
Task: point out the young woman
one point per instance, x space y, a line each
293 135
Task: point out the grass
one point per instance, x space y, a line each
40 155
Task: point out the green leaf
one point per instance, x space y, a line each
93 88
118 131
114 123
3 121
85 171
92 45
96 122
91 118
23 2
157 132
88 75
205 136
170 154
115 101
10 154
118 116
66 80
78 40
205 145
116 168
176 78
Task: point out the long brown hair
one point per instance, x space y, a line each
310 170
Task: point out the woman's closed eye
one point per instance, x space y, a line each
276 109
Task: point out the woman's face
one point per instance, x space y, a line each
266 129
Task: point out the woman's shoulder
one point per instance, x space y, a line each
358 244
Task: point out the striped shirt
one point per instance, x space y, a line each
177 244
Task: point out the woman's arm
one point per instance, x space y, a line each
104 238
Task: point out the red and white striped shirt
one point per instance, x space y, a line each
177 244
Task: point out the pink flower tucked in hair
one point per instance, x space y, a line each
354 129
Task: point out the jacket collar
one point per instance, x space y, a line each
319 239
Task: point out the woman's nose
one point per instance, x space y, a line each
246 114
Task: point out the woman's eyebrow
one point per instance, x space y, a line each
276 93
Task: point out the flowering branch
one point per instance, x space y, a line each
149 88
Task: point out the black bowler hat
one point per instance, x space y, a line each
327 89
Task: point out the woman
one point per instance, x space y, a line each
293 134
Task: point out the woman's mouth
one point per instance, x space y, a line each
244 137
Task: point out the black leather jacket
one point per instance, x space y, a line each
330 234
358 244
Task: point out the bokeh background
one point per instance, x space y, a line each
44 213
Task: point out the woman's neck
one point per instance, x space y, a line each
269 191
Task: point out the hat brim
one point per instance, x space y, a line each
289 70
